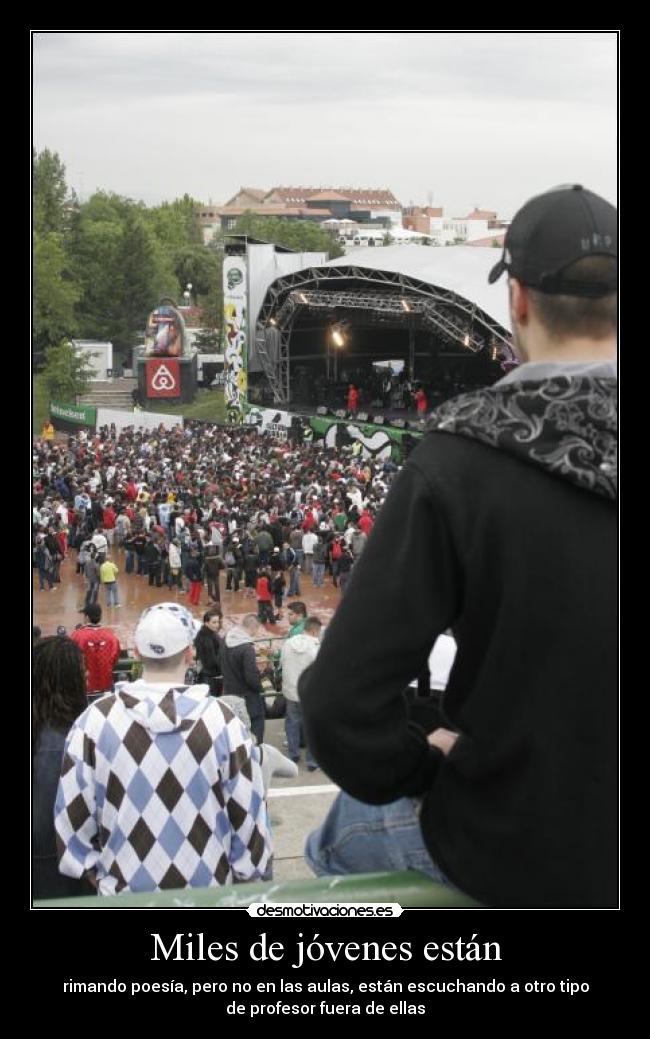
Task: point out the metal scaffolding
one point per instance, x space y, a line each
403 301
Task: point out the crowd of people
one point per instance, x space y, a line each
182 509
185 504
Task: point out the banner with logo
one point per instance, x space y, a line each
165 332
72 416
235 331
163 378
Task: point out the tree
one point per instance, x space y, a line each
198 265
175 224
121 268
54 294
66 372
140 281
300 235
49 192
208 341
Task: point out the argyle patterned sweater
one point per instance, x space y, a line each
161 788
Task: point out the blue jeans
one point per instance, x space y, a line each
318 573
294 581
92 592
293 729
43 576
130 560
361 838
111 593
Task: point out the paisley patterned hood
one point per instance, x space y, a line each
568 425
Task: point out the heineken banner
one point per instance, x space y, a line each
72 416
365 439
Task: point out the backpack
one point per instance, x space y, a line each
230 558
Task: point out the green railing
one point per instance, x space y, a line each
408 889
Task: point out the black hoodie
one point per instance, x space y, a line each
508 509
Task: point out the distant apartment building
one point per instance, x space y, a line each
418 218
375 206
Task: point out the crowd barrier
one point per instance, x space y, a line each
139 419
408 889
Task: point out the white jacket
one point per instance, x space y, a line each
298 653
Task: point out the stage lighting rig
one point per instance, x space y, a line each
339 332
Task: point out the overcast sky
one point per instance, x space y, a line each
456 118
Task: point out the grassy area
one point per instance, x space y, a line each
208 405
40 404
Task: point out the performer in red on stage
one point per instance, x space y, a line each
420 401
353 398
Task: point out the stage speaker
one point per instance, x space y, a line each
362 416
341 413
322 410
399 423
378 420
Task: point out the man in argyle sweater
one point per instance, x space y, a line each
161 785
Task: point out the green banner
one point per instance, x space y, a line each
64 415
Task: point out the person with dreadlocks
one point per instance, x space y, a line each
58 698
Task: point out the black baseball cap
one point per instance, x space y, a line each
552 231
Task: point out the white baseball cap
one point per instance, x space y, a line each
164 630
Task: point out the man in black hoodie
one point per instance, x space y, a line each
509 507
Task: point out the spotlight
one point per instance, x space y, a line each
302 297
466 339
338 331
337 338
405 305
273 322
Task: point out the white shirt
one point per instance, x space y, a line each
298 653
100 542
308 542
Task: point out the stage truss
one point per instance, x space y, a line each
415 303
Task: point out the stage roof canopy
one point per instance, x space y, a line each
455 268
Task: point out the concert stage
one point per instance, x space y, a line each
385 320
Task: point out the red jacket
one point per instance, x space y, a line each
366 522
101 650
262 590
